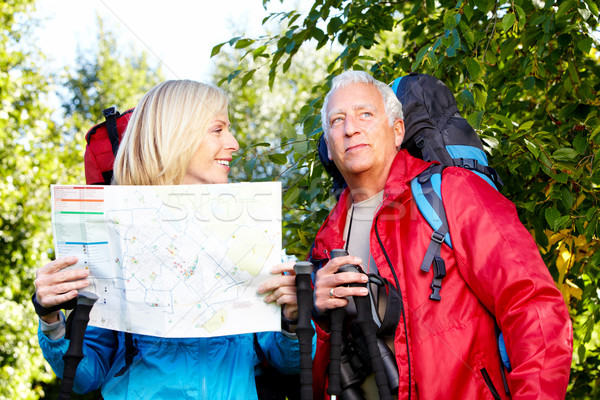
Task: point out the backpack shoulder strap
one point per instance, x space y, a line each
111 115
426 189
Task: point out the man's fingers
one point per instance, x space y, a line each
335 263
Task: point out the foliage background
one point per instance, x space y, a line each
526 74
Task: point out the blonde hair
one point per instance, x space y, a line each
165 130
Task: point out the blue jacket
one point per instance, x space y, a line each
181 368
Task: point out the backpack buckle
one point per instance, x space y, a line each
109 112
437 237
419 141
439 272
469 163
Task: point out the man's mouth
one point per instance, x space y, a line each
355 147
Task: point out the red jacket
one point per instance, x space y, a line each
495 269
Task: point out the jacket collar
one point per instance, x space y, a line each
404 168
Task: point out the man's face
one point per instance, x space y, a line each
360 139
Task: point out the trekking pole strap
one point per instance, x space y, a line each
304 329
74 353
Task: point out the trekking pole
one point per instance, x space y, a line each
334 388
304 329
364 319
74 354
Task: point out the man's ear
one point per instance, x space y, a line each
328 151
398 132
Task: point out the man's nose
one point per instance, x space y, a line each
351 126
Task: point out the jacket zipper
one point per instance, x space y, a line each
387 258
489 383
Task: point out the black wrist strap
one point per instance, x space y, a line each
286 322
43 311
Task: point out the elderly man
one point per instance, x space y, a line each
494 273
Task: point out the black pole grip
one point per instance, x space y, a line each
364 318
74 354
304 329
335 341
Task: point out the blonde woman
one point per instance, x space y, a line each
178 134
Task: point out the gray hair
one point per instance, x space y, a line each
392 106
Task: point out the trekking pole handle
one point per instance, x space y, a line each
334 388
74 354
304 329
364 318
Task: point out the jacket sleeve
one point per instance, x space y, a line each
282 350
99 346
500 262
321 364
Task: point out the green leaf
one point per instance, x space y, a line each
259 51
555 220
532 148
474 68
580 144
334 25
215 50
564 8
466 96
232 41
565 154
474 119
243 43
247 76
508 21
290 197
585 13
420 54
249 167
567 197
451 19
551 214
261 144
480 97
526 126
506 121
561 177
573 73
592 6
522 17
279 159
233 75
585 45
290 46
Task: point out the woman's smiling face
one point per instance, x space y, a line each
210 162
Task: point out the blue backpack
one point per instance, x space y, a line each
434 131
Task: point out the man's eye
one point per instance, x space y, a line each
336 120
367 114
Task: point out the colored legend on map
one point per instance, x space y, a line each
79 225
78 199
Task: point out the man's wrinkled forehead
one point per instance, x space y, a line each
354 107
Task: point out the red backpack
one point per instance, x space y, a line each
102 145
